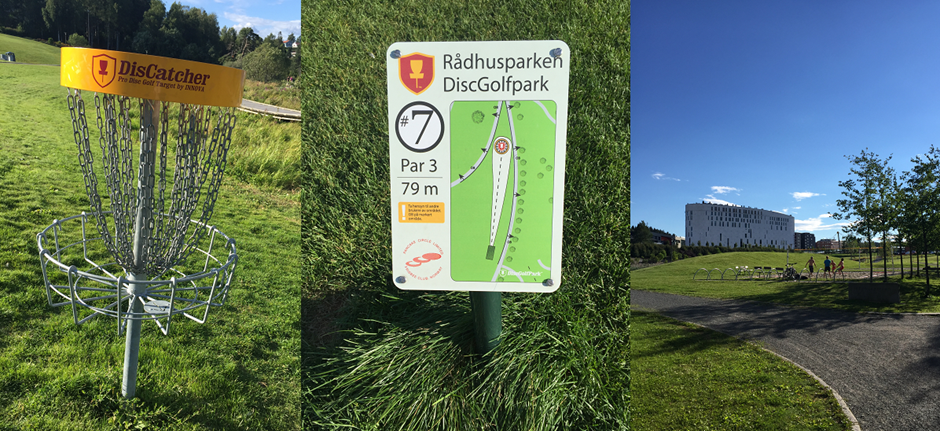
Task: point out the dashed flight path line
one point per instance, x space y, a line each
486 149
515 192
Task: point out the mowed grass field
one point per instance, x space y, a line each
29 51
238 371
676 277
687 377
377 358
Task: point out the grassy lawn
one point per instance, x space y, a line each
273 93
676 277
687 377
239 370
377 358
29 51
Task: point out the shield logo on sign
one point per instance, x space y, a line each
103 69
416 71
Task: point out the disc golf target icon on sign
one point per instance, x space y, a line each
145 250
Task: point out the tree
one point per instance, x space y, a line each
148 38
641 233
246 41
923 203
865 199
265 64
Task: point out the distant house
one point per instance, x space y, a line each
660 237
292 46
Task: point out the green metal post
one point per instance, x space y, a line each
487 320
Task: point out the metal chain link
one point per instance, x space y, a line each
200 155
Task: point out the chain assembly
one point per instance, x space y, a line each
182 173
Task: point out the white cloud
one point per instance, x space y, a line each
803 195
262 26
661 176
818 223
724 189
712 200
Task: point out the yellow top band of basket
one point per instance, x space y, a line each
151 77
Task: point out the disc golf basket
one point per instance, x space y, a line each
145 250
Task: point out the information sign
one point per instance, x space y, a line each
477 135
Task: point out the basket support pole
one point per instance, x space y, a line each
149 132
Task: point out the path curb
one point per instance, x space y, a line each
845 407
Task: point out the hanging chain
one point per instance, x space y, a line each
200 155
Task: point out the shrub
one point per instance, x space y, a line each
78 40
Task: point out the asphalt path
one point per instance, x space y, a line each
270 109
885 366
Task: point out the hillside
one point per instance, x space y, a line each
29 51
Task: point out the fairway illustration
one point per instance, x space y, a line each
502 167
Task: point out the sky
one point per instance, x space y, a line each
758 103
263 16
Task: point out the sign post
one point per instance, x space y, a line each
477 134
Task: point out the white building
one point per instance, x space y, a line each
731 225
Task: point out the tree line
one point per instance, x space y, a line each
901 208
149 27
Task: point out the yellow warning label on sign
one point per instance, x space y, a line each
151 77
421 212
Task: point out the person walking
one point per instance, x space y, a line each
826 264
811 264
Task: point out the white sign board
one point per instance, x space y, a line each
477 135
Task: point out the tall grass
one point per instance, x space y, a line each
281 93
379 358
266 151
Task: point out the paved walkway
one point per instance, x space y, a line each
885 367
275 111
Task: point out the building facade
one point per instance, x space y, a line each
804 241
828 244
731 225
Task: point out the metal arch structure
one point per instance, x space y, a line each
152 255
697 271
709 277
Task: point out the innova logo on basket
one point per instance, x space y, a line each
104 69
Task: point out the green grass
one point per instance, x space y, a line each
273 93
240 370
687 377
266 151
29 51
676 277
376 358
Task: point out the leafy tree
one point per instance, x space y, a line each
191 34
246 41
641 233
923 202
865 199
265 64
148 38
78 40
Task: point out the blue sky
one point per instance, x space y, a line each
264 17
758 103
